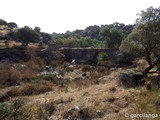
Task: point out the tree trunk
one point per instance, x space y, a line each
146 71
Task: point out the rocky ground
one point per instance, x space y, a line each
91 93
104 100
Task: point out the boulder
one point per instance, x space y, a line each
130 79
72 114
51 71
73 62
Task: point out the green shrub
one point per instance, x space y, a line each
125 58
14 111
2 22
102 56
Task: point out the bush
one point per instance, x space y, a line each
130 79
125 58
153 83
81 42
45 110
102 57
14 111
2 22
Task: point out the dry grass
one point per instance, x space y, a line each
98 72
141 64
95 97
147 102
69 69
10 44
31 89
101 69
105 101
14 110
96 101
12 74
46 110
35 62
91 77
86 68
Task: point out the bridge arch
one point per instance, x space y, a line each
88 55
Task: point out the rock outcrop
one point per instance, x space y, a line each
130 79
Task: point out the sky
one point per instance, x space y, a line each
67 15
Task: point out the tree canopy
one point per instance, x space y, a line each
27 35
144 40
117 32
112 37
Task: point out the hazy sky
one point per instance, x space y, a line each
62 15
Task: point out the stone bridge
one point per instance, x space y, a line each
88 55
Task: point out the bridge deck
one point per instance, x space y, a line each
88 49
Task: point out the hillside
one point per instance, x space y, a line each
107 72
96 96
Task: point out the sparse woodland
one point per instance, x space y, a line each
38 83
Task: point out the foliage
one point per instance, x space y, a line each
115 38
27 35
87 42
13 111
125 58
102 56
111 37
92 32
81 42
2 22
144 40
45 37
37 29
12 25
